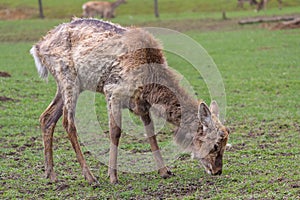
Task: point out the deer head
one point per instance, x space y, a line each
209 143
121 1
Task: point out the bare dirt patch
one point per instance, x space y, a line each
4 99
16 13
4 74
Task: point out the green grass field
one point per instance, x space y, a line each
261 73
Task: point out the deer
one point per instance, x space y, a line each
103 9
127 65
261 4
241 3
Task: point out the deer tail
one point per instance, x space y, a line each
42 70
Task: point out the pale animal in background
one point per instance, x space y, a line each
102 9
260 4
241 3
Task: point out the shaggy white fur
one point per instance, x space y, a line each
42 70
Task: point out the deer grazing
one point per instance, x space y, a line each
241 3
127 65
261 4
103 9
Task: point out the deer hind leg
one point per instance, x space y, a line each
260 5
48 122
240 4
264 5
115 116
280 4
163 171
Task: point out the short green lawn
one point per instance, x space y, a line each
135 11
260 70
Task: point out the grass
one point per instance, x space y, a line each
61 9
139 11
260 70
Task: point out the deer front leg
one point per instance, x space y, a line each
48 122
280 4
68 122
71 93
115 134
163 171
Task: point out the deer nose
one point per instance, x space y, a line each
217 173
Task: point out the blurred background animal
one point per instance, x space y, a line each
260 4
251 2
102 9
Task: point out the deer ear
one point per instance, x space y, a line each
214 108
205 115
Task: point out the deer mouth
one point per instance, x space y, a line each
213 173
206 166
209 169
217 173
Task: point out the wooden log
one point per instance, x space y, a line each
288 25
266 19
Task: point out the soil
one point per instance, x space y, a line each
16 13
4 74
4 99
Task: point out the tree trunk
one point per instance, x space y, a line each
224 15
156 8
41 9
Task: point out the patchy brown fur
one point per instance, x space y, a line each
127 65
141 57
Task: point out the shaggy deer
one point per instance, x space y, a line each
251 2
101 8
262 4
127 65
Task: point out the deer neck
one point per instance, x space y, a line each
116 4
179 109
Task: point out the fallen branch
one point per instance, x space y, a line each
288 25
266 19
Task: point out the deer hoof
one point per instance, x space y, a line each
92 180
165 173
89 176
52 176
112 174
113 180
